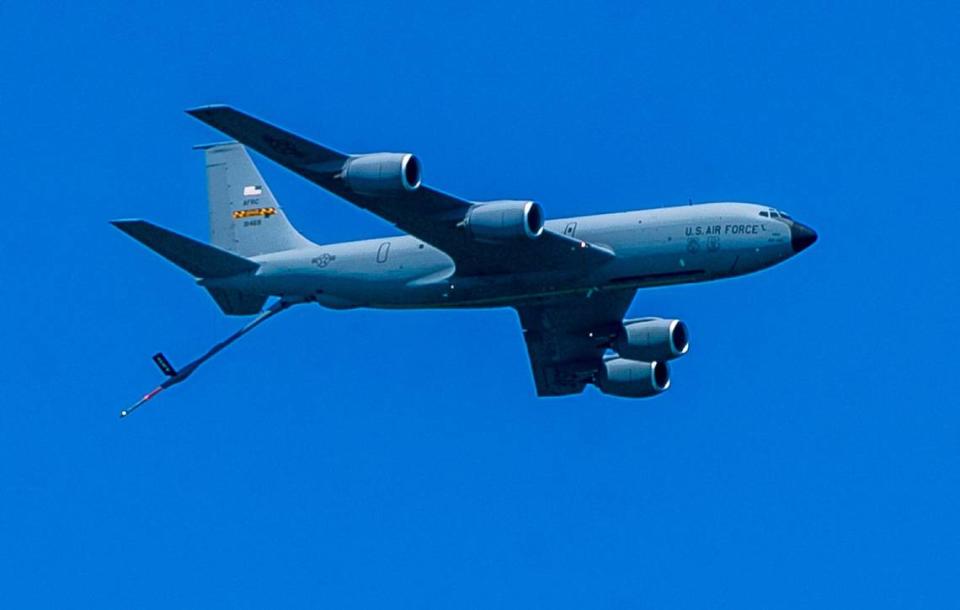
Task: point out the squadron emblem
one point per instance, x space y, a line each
323 260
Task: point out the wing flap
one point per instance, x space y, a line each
567 337
550 251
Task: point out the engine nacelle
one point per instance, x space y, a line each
382 173
652 339
504 221
632 379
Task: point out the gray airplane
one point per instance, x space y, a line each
570 280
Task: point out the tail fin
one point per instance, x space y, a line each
244 216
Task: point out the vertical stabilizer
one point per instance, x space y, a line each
244 216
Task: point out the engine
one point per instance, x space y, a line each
652 339
504 221
632 379
382 173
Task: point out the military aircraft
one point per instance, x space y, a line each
570 280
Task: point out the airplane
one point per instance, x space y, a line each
570 280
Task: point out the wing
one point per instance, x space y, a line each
567 337
426 213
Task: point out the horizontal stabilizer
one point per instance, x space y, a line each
236 303
199 259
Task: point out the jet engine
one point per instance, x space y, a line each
651 339
504 221
382 173
632 379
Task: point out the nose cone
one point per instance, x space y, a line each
801 236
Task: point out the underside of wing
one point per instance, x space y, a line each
566 338
481 238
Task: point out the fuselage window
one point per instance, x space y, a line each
765 214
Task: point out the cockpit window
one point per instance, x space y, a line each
772 213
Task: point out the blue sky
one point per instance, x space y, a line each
806 456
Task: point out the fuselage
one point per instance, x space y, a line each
654 247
